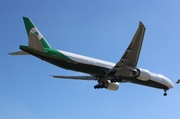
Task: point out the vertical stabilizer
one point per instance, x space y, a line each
36 40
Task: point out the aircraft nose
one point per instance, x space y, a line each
170 83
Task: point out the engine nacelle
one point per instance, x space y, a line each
111 86
142 74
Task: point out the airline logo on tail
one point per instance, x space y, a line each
35 31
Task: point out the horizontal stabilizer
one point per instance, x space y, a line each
19 53
76 77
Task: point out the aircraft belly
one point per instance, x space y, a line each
85 68
150 83
70 65
77 67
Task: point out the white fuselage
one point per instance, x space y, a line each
96 62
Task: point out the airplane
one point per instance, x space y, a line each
107 74
178 81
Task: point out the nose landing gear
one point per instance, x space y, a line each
165 94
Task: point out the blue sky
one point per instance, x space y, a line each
101 29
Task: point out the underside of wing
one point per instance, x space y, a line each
131 55
19 53
76 77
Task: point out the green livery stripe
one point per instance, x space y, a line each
57 54
31 29
44 43
51 53
28 24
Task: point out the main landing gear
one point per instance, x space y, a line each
116 79
99 85
165 94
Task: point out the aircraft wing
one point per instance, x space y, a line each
131 55
76 77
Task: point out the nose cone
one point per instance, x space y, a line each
169 83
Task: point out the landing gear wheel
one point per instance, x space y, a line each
165 94
99 85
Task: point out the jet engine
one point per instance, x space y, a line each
111 86
142 74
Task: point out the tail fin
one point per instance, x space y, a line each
36 40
